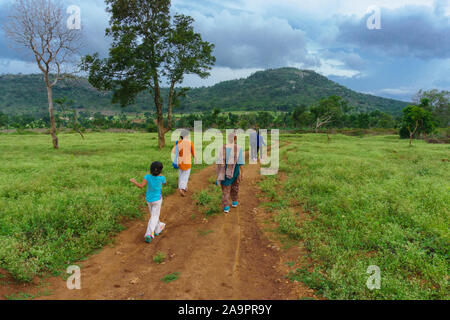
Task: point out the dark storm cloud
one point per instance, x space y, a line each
416 31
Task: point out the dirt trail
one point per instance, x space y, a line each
231 262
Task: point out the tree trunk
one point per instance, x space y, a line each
75 127
161 136
52 117
169 113
159 116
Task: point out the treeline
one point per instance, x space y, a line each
431 111
84 120
212 119
300 118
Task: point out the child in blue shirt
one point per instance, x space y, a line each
154 183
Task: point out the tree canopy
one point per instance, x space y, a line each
149 48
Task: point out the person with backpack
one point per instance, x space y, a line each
184 151
260 144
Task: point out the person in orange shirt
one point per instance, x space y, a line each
185 153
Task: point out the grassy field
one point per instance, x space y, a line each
371 201
58 206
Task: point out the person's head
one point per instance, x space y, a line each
184 134
156 168
232 137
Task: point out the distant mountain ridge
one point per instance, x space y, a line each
273 90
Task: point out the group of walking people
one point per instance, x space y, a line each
229 169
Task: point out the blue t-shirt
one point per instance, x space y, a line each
154 187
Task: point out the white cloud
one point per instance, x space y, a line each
332 67
251 41
218 74
402 91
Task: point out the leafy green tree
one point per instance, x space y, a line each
3 120
385 121
416 120
264 119
233 119
149 46
363 120
297 115
244 124
438 102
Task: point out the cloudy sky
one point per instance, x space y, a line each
410 51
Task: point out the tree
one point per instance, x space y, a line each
328 110
39 27
416 120
438 102
297 115
233 119
385 121
363 120
3 120
264 119
69 112
149 47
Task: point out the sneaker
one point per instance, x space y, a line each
162 229
234 204
148 238
226 209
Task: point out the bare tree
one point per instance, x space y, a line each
323 120
38 28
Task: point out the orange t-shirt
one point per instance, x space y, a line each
185 151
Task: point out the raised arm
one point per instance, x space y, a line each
139 185
263 142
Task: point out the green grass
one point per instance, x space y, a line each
59 206
159 257
28 296
372 201
209 200
204 232
170 277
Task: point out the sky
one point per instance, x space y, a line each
408 50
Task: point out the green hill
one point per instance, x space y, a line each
275 89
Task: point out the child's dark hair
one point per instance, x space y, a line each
156 168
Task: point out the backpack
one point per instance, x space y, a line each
175 161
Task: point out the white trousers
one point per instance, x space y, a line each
154 225
183 178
